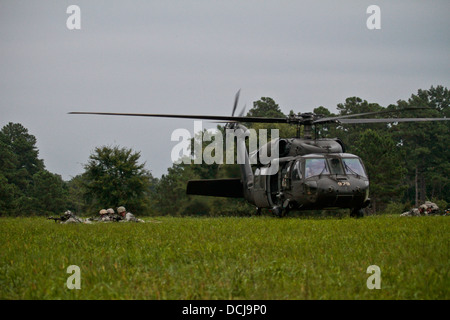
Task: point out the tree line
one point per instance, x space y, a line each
407 163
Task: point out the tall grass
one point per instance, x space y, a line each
227 258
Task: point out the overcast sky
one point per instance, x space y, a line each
192 56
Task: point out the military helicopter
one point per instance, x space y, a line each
312 173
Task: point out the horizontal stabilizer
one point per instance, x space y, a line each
230 188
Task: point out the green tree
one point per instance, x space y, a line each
354 105
170 195
383 161
49 193
76 194
265 107
8 195
8 160
19 163
426 145
22 154
325 130
350 133
114 177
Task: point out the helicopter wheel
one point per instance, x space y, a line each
258 211
357 213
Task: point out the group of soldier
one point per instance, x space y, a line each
428 208
122 215
106 215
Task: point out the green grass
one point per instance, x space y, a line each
227 258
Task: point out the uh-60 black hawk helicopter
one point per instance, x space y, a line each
313 173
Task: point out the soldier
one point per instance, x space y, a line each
412 212
112 216
127 216
425 209
71 218
104 215
432 207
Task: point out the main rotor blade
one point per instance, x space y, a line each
391 120
241 114
185 116
236 99
332 119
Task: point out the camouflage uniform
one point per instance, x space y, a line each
105 218
432 207
102 214
69 217
130 217
111 215
425 209
411 213
127 216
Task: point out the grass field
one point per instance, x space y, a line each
227 258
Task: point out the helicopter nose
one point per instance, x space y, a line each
342 191
350 191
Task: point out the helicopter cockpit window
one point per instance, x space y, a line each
354 166
297 171
335 166
315 167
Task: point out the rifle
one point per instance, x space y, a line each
116 218
56 219
66 216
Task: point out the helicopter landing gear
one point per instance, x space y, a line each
278 211
357 213
281 210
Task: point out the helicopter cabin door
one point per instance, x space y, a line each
259 190
281 181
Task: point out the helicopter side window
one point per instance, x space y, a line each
315 167
354 166
297 171
335 166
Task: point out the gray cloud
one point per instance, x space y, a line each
192 56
